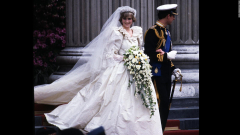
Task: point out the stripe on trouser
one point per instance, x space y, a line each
158 98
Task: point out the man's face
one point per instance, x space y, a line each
170 19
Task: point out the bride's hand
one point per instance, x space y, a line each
160 51
118 57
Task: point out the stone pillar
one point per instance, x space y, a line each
185 27
84 20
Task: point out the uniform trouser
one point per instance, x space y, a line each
163 93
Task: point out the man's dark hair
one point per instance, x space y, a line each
163 14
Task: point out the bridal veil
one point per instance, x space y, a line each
65 88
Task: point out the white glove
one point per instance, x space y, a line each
171 55
118 57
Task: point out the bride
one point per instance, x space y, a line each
96 93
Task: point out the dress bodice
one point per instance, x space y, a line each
119 42
129 41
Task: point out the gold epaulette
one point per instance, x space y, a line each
152 27
162 40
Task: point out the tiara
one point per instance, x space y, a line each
128 9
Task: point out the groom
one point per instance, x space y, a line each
158 46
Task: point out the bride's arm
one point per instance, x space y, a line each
140 41
114 44
140 36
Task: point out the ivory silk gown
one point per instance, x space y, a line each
107 101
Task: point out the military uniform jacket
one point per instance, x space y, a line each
156 37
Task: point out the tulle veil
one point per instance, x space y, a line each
65 88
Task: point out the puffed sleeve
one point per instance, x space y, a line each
111 52
139 33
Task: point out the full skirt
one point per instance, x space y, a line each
109 102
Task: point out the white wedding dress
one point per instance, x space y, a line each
107 101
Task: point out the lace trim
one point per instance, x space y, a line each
136 32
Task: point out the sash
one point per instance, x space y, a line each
167 44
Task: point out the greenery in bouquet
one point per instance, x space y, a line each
140 69
49 37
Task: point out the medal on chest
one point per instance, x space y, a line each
156 70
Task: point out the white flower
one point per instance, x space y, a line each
135 56
138 67
130 57
134 60
135 52
144 56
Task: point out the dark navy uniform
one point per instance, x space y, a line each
158 37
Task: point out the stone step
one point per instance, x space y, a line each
58 131
186 48
172 125
188 90
189 123
189 70
54 127
189 77
187 57
38 120
178 102
185 123
186 65
181 132
72 59
191 112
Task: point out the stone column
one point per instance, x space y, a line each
238 8
84 20
185 27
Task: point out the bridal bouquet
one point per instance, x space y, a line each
140 69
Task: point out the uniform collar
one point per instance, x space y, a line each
160 24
